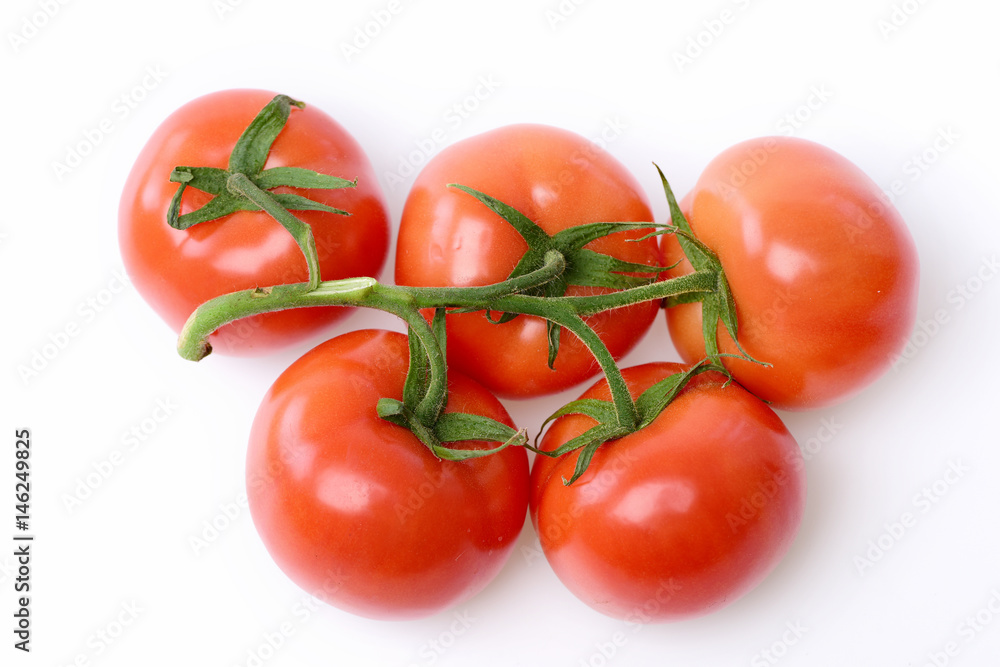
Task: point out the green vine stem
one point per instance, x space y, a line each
240 184
536 287
407 303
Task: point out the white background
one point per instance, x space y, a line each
115 578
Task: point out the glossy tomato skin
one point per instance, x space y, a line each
447 238
355 509
676 520
823 270
176 271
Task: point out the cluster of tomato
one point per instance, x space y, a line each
676 519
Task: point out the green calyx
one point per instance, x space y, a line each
584 267
246 186
424 399
648 407
717 305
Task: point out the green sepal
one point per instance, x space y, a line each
451 454
224 204
392 410
649 405
584 457
601 411
248 157
657 397
396 412
533 235
452 427
250 152
219 206
580 235
717 305
294 202
587 443
584 267
207 179
460 426
593 269
297 177
552 331
503 319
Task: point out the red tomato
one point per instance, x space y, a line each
823 270
680 518
176 271
355 509
447 238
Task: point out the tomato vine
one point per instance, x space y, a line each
537 287
436 419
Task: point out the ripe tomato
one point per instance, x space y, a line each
677 519
823 270
355 509
447 238
176 271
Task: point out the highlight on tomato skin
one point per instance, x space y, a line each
676 520
823 270
175 271
557 179
356 509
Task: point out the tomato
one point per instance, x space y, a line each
355 509
447 238
822 268
175 271
680 518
